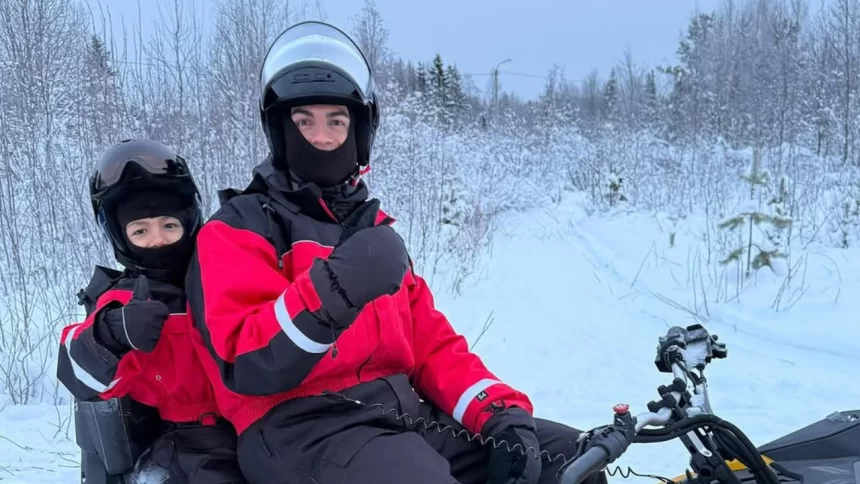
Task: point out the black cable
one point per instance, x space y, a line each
727 435
730 437
626 473
747 454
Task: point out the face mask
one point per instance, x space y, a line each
153 203
324 168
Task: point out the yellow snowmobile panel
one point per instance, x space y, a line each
733 465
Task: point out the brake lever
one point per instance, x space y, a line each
603 446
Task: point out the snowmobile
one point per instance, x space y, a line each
825 452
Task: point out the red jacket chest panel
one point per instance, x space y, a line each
170 378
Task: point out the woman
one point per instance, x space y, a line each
136 339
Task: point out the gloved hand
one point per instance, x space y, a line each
135 326
518 461
369 264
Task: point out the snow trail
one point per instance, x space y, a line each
576 314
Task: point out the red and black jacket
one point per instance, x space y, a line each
170 379
252 299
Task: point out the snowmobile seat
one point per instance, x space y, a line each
835 436
825 452
112 434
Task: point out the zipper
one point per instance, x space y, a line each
334 343
328 212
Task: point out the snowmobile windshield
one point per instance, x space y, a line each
314 59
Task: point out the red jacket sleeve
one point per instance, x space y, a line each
88 370
448 374
265 332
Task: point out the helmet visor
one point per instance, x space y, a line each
159 163
322 44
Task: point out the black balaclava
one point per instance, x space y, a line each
323 168
167 262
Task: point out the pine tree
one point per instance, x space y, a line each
456 100
101 104
454 206
614 184
610 96
439 91
650 100
846 221
439 80
410 77
98 57
757 254
421 78
400 74
779 212
676 102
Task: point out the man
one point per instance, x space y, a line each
318 326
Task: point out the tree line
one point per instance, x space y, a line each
771 75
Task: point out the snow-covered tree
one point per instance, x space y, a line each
455 101
371 35
778 210
610 97
844 225
614 186
753 250
422 80
438 91
650 99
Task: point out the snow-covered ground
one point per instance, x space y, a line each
577 304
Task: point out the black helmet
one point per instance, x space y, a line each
314 62
131 166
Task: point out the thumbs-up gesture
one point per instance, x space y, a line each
138 324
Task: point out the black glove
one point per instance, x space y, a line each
515 457
371 263
135 326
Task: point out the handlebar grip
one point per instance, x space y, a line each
590 462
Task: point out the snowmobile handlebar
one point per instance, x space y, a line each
682 412
608 443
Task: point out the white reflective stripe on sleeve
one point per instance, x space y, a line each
81 374
467 396
293 332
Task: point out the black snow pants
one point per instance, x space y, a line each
190 454
331 440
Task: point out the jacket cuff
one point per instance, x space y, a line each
509 417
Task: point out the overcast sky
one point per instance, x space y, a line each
579 35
